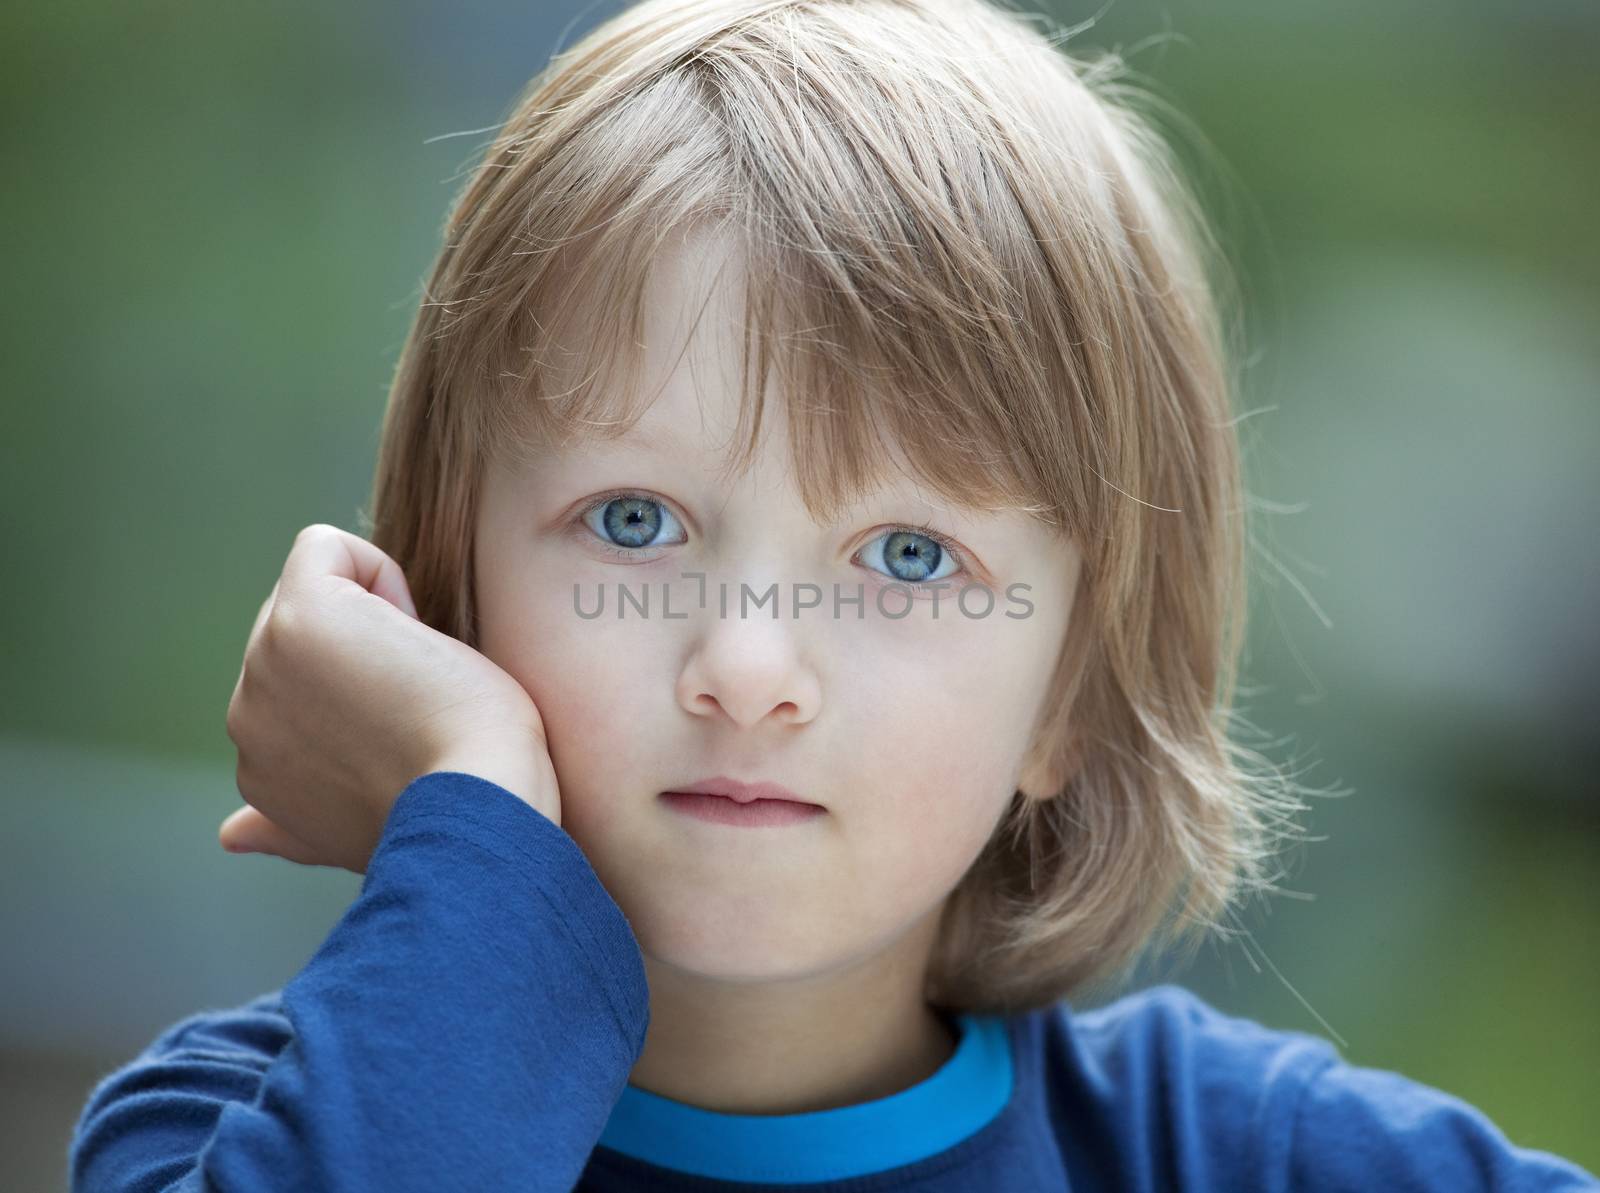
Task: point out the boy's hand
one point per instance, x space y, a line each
345 697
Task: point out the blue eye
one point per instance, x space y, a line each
628 522
913 556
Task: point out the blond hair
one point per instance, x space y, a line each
958 240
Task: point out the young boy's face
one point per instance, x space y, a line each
909 730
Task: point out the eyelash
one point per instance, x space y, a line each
946 544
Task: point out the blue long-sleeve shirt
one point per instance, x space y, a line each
471 1021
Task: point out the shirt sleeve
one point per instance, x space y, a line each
468 1024
1362 1128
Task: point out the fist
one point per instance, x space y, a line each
345 697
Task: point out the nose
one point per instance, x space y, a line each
749 670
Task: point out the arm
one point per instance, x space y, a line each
1361 1128
469 1023
1185 1096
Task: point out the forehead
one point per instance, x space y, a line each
688 356
686 438
712 363
688 397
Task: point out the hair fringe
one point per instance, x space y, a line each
1024 289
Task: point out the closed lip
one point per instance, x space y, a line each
740 793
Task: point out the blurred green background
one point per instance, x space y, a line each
218 221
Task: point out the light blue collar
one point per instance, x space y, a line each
965 1094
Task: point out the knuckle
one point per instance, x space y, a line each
310 533
313 531
234 721
237 721
280 625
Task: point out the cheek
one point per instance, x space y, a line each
954 701
932 769
592 682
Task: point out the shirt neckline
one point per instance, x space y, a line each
965 1094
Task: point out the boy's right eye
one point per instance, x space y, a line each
626 522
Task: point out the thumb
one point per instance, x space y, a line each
248 831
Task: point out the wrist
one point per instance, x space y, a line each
520 776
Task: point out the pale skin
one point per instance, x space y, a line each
786 965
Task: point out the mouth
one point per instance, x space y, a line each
728 801
742 793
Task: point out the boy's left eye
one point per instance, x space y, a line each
628 522
913 556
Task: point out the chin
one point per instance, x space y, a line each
737 947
